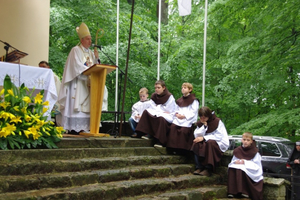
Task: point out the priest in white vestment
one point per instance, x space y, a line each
74 95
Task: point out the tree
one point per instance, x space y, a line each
252 63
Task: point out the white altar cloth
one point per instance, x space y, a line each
33 77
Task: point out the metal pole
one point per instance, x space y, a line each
204 54
117 58
158 47
126 69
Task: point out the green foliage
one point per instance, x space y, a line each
252 55
282 123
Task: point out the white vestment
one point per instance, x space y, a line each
74 95
252 168
165 110
57 85
190 112
138 109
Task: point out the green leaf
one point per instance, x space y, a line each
3 143
11 143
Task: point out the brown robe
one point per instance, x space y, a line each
157 127
209 151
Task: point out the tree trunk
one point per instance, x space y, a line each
164 11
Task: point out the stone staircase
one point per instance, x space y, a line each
105 168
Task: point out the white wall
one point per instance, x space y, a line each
25 26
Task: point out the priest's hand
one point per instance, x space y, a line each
96 53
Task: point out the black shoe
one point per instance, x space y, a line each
134 135
73 132
146 137
245 195
158 145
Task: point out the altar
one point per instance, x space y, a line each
34 78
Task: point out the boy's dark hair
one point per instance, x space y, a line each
160 82
205 111
44 62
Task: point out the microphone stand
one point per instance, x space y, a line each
115 128
6 47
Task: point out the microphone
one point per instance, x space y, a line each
98 46
7 44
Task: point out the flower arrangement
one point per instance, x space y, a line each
22 120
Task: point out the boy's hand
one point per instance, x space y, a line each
198 139
179 116
239 162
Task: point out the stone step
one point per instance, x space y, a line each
103 142
70 179
118 189
14 156
27 167
201 193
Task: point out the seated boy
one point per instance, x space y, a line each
245 174
210 143
138 109
156 120
186 113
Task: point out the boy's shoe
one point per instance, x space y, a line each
205 173
146 137
158 145
197 172
134 135
230 196
245 195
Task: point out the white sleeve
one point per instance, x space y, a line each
200 131
169 106
134 109
193 111
218 134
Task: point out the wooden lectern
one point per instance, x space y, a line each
97 74
15 56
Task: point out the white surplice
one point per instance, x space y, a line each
165 110
252 168
138 109
190 112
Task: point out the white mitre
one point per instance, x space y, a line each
82 31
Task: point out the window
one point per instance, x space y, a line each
238 143
270 149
